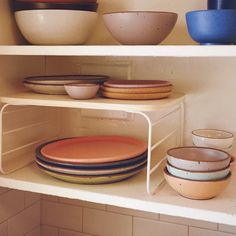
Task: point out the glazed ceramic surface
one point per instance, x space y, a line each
133 96
93 179
81 91
212 138
212 26
94 149
221 4
56 27
198 158
199 190
194 175
140 27
61 1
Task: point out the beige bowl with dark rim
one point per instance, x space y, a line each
196 189
140 27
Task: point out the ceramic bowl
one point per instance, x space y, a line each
59 1
198 158
221 4
140 27
212 138
81 91
212 27
56 27
195 189
195 175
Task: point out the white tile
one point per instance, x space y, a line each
83 203
186 221
227 228
61 215
63 232
31 198
3 229
147 227
104 223
9 206
49 231
127 211
205 232
25 221
49 198
34 232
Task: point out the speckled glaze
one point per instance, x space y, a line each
221 4
212 26
140 27
199 190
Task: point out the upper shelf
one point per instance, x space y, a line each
29 98
121 50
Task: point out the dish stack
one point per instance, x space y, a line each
92 159
55 22
55 84
137 89
197 172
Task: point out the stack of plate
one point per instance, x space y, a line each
137 89
55 84
92 159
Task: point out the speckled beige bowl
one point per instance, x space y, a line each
196 189
140 27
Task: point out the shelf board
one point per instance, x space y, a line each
130 193
121 50
29 98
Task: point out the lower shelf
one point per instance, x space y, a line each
130 194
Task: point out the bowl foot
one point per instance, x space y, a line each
216 44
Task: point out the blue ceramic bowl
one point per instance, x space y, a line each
216 27
221 4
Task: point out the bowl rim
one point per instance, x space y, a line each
195 147
137 11
211 11
166 172
223 131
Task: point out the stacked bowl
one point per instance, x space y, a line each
137 89
215 26
55 22
92 159
197 172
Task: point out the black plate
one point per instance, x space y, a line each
97 166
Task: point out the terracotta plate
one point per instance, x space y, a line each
94 149
137 90
136 83
141 96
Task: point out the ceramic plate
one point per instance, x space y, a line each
141 96
136 83
93 179
137 90
94 149
89 172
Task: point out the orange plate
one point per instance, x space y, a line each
94 149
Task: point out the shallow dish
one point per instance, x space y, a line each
212 138
94 149
199 190
194 175
140 27
198 158
56 27
81 91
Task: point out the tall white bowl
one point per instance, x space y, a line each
56 27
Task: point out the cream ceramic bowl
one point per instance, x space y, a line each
56 27
198 158
212 138
194 175
140 27
195 189
81 91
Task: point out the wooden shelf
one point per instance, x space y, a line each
29 98
121 50
130 194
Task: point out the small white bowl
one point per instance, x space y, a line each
56 27
81 91
212 138
198 175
